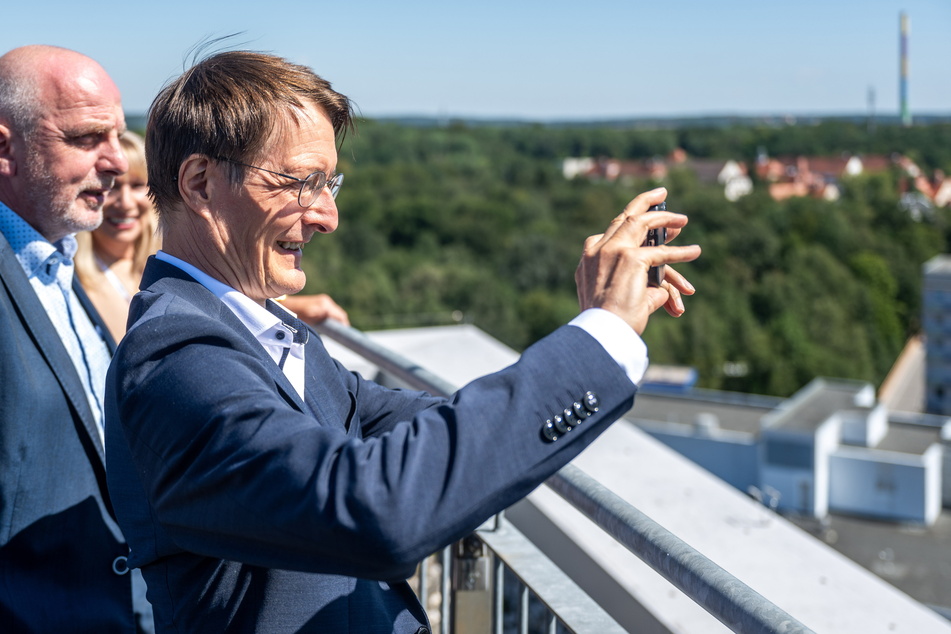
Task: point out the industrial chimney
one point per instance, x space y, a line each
903 73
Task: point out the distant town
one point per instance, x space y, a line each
785 177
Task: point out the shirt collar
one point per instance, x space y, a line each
30 248
255 317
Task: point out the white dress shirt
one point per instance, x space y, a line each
274 333
614 334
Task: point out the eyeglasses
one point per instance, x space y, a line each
310 187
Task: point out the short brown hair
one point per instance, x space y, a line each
226 106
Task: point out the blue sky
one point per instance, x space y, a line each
531 59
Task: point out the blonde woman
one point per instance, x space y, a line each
110 259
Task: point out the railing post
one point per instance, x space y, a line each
471 587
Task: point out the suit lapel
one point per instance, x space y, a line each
158 272
41 330
324 392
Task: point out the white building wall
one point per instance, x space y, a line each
730 458
794 487
736 188
854 428
864 427
572 167
827 441
934 464
884 484
877 425
788 468
731 169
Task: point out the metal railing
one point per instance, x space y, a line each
496 580
731 601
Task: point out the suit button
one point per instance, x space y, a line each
560 424
549 431
591 402
571 419
120 565
580 411
423 630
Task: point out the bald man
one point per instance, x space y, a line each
62 557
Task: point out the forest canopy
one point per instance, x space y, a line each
477 223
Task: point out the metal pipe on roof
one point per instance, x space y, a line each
731 601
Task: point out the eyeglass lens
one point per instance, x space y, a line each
310 190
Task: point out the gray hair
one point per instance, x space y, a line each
19 100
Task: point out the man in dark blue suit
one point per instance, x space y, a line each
63 560
261 485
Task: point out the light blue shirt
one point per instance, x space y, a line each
49 268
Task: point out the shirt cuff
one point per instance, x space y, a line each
617 338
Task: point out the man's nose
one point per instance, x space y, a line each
322 215
111 157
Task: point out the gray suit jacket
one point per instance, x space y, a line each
249 509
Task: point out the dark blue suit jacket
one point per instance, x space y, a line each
249 509
58 537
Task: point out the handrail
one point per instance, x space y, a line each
551 585
731 601
413 375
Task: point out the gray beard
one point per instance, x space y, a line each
52 201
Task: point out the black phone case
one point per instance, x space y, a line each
656 237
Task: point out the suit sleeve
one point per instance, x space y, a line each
230 470
377 409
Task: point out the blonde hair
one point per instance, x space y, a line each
89 272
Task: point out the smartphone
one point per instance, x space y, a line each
656 237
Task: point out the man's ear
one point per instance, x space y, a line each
193 185
8 166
